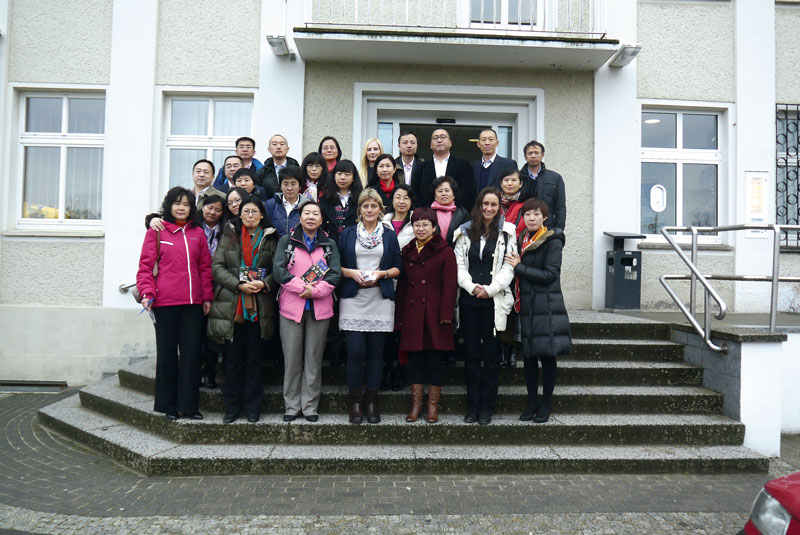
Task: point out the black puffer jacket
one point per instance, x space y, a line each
545 323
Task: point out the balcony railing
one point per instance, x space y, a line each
576 18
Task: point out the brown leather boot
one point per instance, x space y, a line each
416 403
356 398
434 393
371 401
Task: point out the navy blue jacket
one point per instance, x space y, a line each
391 259
277 213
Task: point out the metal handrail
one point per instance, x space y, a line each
123 288
708 290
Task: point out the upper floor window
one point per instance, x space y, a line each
203 127
61 144
681 161
507 13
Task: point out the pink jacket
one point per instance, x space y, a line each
184 269
290 303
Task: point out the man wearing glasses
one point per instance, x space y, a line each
443 164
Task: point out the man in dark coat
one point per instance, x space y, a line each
408 159
267 176
542 183
444 164
491 168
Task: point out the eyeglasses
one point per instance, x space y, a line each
234 203
314 166
422 224
440 138
250 212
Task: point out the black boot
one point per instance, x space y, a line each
504 354
512 358
530 411
543 413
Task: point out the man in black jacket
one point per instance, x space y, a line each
267 176
443 164
491 168
408 160
544 184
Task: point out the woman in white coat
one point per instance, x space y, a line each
485 298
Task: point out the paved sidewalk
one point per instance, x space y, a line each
51 484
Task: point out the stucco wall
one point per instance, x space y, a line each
657 263
568 126
59 42
209 43
41 271
688 51
787 54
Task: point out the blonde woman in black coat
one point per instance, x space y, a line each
540 303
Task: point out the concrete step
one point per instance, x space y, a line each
615 349
512 394
135 408
153 455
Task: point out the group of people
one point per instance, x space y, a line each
403 262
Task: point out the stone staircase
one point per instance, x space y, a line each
625 402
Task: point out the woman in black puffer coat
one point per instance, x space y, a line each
540 303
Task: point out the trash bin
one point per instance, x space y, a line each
623 273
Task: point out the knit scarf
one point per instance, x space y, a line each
529 241
444 214
369 240
387 189
246 308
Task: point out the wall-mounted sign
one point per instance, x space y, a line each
757 201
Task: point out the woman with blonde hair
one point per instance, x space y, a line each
372 149
370 258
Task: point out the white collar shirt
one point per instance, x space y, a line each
440 166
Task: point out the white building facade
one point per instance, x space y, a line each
105 104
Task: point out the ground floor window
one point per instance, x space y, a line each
786 172
62 136
202 127
681 166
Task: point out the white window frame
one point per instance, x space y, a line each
465 7
62 140
723 157
208 142
518 107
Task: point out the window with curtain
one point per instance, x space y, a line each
681 161
204 127
62 142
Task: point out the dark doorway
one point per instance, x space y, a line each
464 138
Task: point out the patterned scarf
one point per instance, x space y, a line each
369 240
529 241
246 307
506 201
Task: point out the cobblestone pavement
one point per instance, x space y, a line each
51 484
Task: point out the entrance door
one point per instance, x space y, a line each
463 138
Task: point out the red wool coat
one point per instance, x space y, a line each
426 296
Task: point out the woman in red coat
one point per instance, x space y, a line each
425 304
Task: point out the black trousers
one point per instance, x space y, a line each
210 352
244 370
426 367
549 372
481 346
178 329
364 347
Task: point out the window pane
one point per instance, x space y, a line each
84 187
699 131
659 130
788 126
87 115
504 136
180 166
44 114
190 117
40 197
652 174
488 14
699 195
519 11
219 158
232 118
385 136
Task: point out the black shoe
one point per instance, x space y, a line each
471 417
229 418
312 417
290 417
253 418
209 382
194 416
529 413
543 414
512 359
172 416
485 418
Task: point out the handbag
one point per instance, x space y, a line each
135 292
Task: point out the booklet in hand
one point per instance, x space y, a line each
315 272
247 274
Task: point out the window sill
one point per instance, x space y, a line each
685 246
790 249
59 233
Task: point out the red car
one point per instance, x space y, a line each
776 509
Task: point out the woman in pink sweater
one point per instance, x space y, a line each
179 293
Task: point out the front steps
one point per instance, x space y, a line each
621 405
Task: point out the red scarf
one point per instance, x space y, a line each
387 189
249 299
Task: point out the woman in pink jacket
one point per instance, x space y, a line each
306 308
178 295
